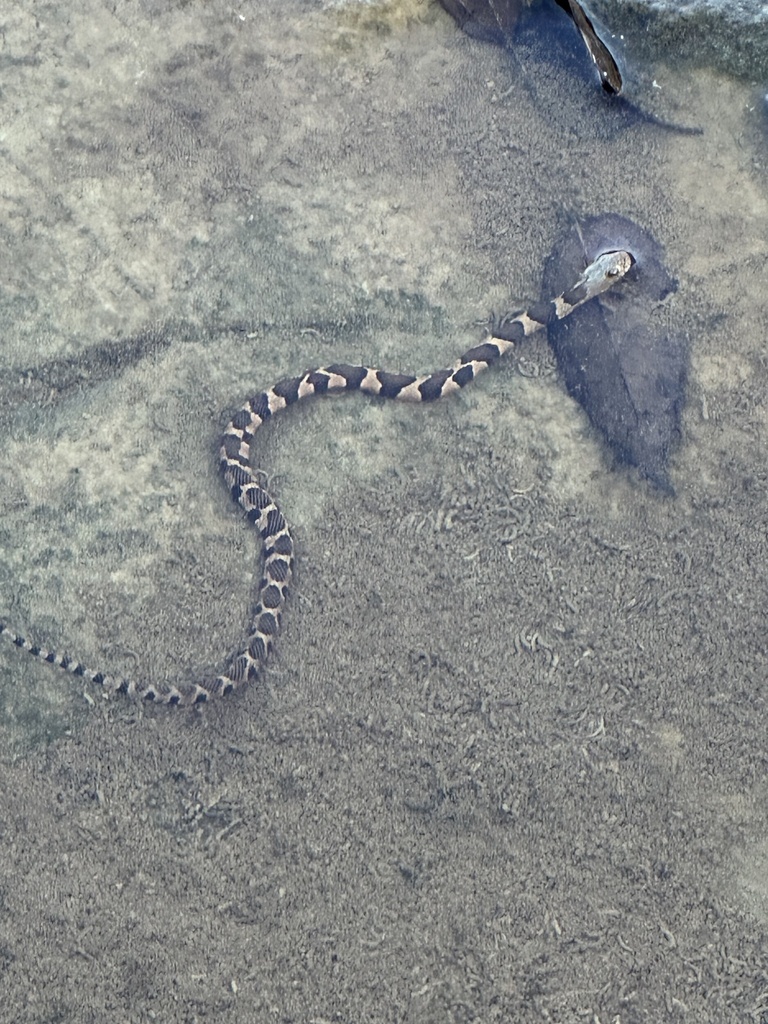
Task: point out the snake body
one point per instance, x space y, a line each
260 508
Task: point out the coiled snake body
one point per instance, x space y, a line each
260 507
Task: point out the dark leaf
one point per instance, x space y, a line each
492 20
607 68
627 373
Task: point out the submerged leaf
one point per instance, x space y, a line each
495 20
602 58
485 19
617 362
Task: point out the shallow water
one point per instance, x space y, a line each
506 763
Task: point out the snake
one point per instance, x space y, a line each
263 512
